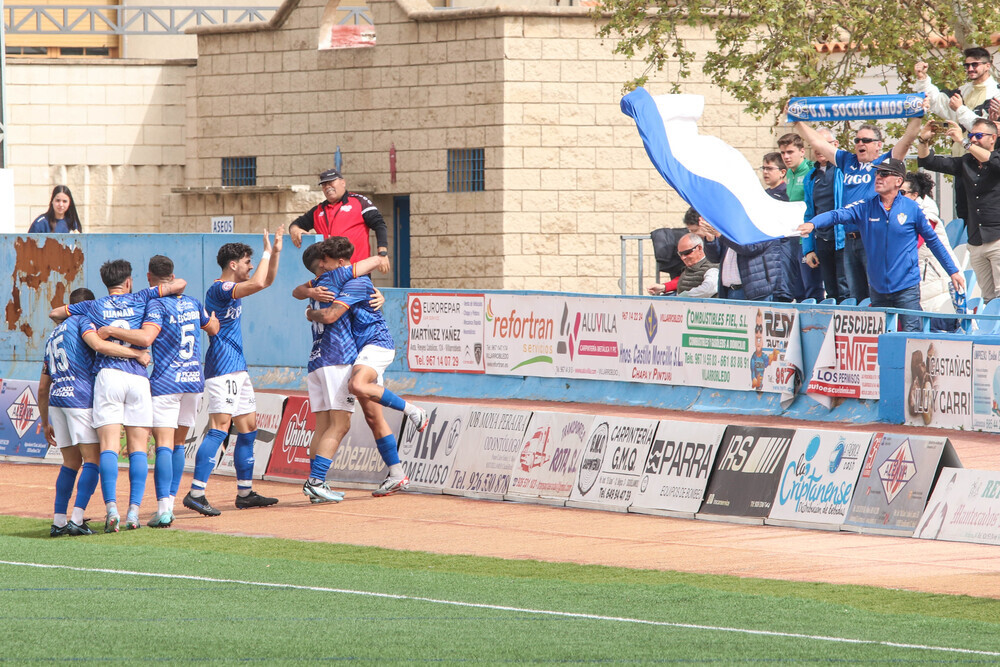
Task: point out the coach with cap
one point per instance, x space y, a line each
889 224
343 214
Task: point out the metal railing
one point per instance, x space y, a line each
121 20
623 279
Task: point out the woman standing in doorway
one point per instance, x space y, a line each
61 218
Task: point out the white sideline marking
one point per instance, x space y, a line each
480 605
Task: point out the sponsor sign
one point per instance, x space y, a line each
549 458
818 479
938 383
662 342
445 332
855 107
965 507
847 363
986 388
746 473
612 462
525 334
21 431
676 470
269 410
290 454
491 446
895 481
358 459
427 457
196 434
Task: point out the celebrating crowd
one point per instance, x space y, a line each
872 230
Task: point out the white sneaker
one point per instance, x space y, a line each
421 419
392 485
321 493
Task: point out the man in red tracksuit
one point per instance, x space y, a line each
343 214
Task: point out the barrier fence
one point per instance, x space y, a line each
867 482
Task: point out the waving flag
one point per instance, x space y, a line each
708 173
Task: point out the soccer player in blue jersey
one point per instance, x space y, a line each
65 402
376 350
330 359
176 382
230 394
121 389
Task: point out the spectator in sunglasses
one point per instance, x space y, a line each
979 172
859 184
700 277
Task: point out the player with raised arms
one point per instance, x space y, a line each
231 397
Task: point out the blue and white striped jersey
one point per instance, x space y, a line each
225 349
125 311
333 344
367 324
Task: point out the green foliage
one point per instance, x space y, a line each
766 49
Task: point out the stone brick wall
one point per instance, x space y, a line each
112 131
566 173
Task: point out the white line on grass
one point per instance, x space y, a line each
479 605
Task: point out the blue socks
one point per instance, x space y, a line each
319 468
243 459
175 482
387 447
204 461
390 400
64 488
87 485
163 475
109 475
138 471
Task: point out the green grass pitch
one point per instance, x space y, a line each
635 616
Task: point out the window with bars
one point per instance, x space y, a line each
466 170
239 171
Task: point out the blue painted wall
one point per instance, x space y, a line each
277 338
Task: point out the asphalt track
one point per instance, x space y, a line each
454 525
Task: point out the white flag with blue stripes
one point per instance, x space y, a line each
708 173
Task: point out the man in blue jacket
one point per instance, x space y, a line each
889 224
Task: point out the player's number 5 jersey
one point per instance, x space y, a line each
177 348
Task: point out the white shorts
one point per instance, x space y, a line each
174 410
376 357
230 394
122 398
328 389
73 426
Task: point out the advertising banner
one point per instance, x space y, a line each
290 454
445 332
964 507
427 457
526 334
611 465
721 346
746 474
986 388
675 473
22 433
855 107
358 459
895 481
269 411
818 479
549 457
847 363
491 445
938 383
